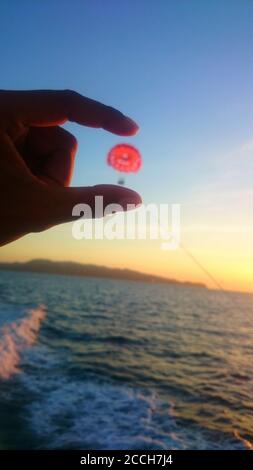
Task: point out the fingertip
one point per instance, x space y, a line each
129 204
121 125
131 125
133 197
127 198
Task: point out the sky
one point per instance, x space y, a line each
184 71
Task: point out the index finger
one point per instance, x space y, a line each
51 108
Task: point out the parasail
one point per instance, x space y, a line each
124 158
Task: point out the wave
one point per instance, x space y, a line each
98 414
16 337
89 414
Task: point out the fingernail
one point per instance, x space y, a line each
120 124
129 204
131 124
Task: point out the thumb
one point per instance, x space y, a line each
63 200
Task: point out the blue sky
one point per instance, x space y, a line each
182 69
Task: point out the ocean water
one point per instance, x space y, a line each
104 364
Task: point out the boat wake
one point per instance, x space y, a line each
16 337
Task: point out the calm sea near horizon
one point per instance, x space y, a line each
91 363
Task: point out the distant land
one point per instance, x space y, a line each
70 268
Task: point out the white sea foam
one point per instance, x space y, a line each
87 414
17 336
103 416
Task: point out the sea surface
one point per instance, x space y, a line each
103 364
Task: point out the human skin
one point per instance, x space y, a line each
37 159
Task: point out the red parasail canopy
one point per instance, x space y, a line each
125 158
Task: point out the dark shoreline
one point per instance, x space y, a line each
89 270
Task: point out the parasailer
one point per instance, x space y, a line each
124 158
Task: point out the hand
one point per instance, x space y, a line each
37 159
